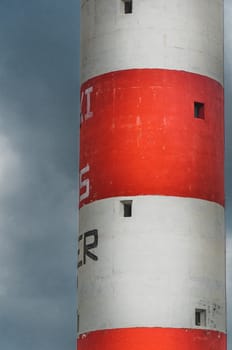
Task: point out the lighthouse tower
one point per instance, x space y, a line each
151 257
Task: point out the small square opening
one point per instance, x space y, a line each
199 110
127 6
200 317
126 208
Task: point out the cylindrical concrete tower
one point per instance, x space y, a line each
151 259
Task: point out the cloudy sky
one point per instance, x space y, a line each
39 84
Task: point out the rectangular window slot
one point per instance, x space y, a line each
126 208
127 6
199 110
200 317
78 322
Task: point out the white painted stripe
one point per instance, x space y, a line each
171 34
154 268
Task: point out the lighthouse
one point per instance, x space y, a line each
151 242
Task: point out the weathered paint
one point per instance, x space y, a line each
152 339
143 138
141 278
152 269
173 34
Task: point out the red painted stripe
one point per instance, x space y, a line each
152 339
139 136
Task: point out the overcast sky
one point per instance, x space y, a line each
39 96
39 82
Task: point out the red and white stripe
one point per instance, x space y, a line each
141 278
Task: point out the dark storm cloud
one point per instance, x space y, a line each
38 142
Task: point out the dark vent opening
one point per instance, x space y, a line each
128 6
127 208
199 110
200 317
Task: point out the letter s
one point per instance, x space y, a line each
84 183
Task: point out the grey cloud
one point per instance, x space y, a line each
38 121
